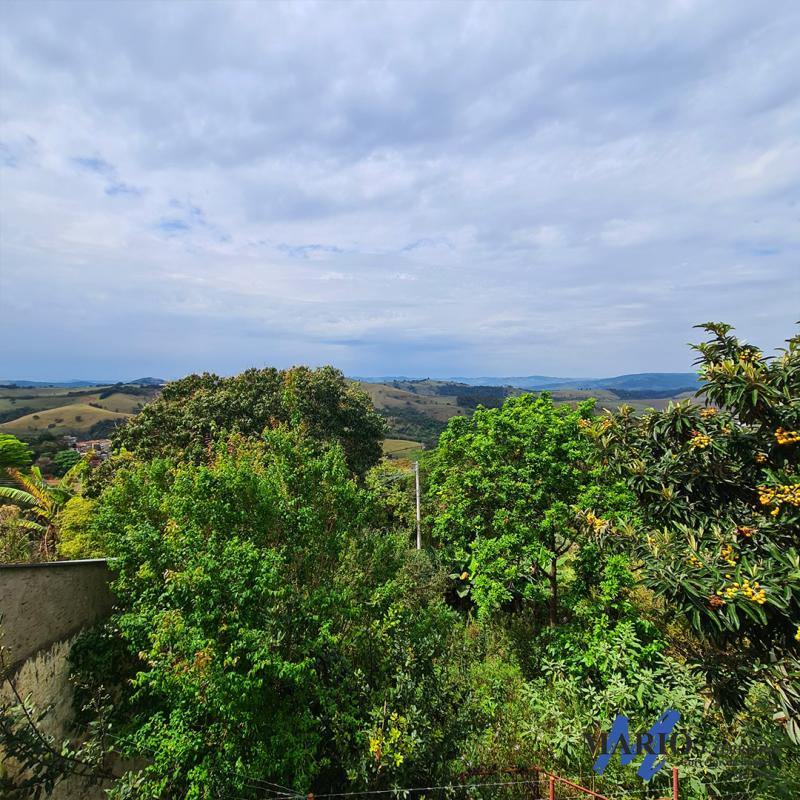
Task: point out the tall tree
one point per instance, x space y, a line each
719 493
272 634
506 486
14 454
192 412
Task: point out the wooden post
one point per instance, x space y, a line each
552 793
674 783
416 481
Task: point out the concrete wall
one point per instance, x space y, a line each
43 606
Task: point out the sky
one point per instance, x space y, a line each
423 189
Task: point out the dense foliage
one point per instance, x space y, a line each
63 461
506 485
275 628
14 454
190 413
719 491
275 635
41 505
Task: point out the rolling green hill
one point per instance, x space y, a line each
30 411
400 447
76 419
416 411
419 409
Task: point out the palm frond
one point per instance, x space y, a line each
17 496
30 525
75 471
34 483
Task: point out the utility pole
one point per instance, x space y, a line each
416 481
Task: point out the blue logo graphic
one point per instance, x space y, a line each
654 743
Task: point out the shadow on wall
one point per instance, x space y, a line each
43 607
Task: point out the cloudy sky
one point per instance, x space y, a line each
413 188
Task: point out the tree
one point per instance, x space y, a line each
192 412
506 485
63 461
14 454
719 494
272 635
42 503
77 536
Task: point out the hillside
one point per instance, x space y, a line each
419 409
416 410
76 419
654 383
29 411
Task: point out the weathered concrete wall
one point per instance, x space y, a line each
43 607
42 604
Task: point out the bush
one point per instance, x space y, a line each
78 538
15 543
63 461
278 636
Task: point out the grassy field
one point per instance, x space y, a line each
416 411
30 412
606 399
388 398
122 403
400 447
419 410
75 419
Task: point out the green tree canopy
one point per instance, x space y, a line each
63 461
719 495
507 486
14 454
273 635
191 412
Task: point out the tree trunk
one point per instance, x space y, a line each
553 592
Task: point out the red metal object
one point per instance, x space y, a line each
554 778
674 783
537 771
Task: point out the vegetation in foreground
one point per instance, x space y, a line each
275 627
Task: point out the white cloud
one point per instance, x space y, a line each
627 232
418 188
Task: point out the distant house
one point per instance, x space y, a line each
101 447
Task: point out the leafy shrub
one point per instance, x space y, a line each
718 493
277 636
15 542
78 538
63 461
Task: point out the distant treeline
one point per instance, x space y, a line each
645 394
450 389
408 423
15 413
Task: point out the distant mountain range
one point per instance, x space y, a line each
75 384
659 382
639 382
